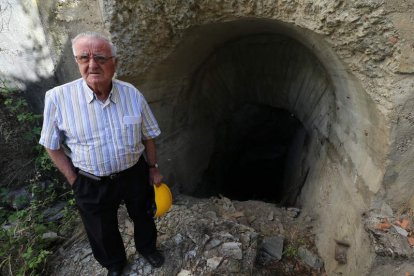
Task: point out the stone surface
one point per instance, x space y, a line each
19 199
214 262
54 213
193 243
232 250
274 247
341 249
390 241
310 258
24 55
50 236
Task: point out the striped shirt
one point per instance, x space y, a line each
103 138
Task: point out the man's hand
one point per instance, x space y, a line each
72 179
63 163
155 176
154 173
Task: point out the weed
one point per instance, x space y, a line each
29 123
291 251
33 259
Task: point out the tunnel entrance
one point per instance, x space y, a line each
250 154
225 84
259 109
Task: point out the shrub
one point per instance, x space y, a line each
23 248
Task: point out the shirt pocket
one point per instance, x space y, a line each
130 132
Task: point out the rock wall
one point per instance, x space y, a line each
62 21
24 56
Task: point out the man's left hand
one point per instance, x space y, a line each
155 176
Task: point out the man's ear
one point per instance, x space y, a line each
116 63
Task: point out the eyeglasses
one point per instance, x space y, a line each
97 58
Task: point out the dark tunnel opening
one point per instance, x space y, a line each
250 154
258 104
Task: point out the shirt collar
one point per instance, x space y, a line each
114 95
90 96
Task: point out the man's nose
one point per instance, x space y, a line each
92 61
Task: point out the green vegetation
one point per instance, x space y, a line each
27 236
292 249
28 124
23 247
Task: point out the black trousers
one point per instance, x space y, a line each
98 203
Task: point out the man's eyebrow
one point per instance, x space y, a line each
92 52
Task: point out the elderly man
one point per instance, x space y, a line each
107 126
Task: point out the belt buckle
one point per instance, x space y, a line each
113 176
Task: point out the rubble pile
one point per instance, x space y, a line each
213 236
392 235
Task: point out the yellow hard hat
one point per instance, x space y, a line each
163 199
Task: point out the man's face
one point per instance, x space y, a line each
97 73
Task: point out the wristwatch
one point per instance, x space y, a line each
153 166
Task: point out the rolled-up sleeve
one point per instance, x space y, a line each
50 135
150 128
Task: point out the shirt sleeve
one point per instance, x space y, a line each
150 128
50 135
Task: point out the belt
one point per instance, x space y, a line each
100 178
112 176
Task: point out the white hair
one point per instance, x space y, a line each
94 35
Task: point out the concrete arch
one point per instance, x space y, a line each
347 146
357 123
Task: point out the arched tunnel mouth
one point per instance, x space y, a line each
250 160
259 109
